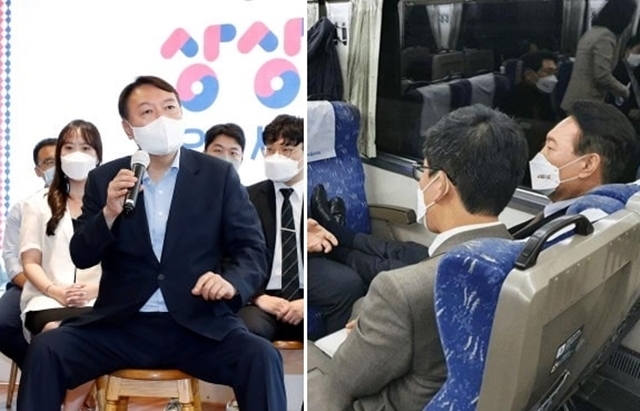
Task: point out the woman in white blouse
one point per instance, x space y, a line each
56 290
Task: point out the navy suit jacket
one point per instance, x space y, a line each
210 216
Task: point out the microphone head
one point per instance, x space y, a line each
140 157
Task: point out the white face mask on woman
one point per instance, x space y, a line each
279 168
77 165
161 137
633 60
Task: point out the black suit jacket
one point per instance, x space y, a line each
263 197
210 216
527 228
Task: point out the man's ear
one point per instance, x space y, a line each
592 165
38 171
529 76
441 186
127 129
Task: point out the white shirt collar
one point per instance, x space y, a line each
444 236
558 205
298 188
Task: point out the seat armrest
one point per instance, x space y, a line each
392 214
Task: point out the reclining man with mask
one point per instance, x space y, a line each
392 358
594 145
531 98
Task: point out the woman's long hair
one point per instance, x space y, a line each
59 188
616 15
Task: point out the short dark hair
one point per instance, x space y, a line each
616 15
157 82
534 59
290 128
41 144
633 41
483 152
229 129
606 131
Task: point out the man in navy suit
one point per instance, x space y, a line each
162 303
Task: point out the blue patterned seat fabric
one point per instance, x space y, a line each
343 175
467 288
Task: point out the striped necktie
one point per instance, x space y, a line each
290 281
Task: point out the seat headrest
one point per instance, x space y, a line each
620 192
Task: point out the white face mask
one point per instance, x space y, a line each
229 159
633 60
47 176
421 207
77 165
279 168
162 136
545 177
547 84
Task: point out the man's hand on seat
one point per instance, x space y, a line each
318 238
272 305
294 313
212 286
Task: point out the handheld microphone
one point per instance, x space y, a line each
139 163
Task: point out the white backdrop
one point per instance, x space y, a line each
232 61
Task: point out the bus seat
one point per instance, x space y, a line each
620 192
517 339
565 68
483 89
513 71
460 93
477 62
447 64
343 174
436 103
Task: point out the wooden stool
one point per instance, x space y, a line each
13 376
127 383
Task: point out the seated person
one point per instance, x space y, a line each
531 98
366 254
227 142
392 359
56 289
276 311
594 145
12 341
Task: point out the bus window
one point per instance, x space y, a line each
434 56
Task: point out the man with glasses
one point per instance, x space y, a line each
277 309
392 358
12 342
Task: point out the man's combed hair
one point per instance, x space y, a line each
606 131
483 152
228 129
290 128
157 82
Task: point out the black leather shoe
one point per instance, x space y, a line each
338 210
320 208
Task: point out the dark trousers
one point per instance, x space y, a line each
68 356
267 325
370 255
12 341
334 288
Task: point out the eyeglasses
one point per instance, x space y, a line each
284 151
418 170
49 162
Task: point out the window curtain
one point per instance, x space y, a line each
445 21
362 68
